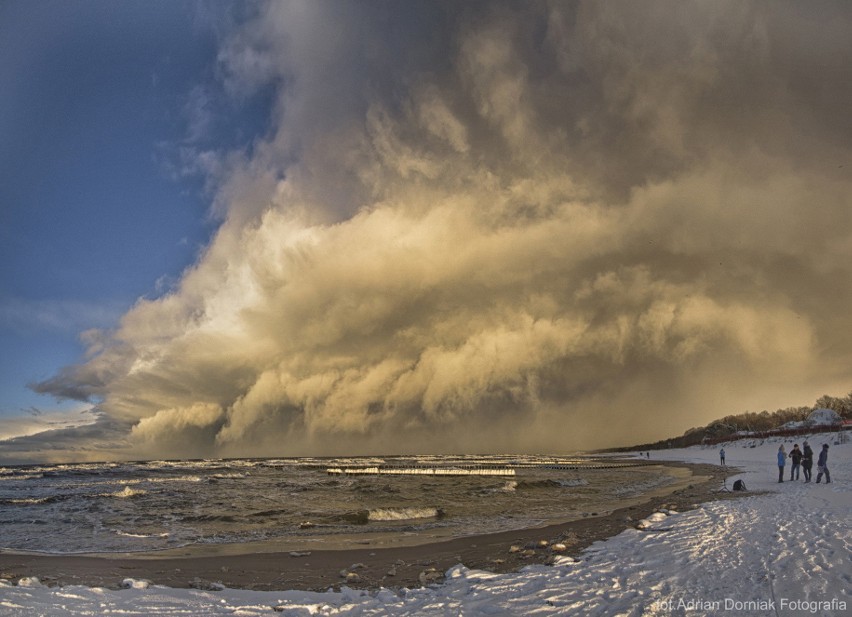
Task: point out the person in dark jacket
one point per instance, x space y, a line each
722 456
822 465
782 460
807 461
796 455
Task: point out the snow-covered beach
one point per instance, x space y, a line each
784 549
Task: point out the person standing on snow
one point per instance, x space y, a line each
722 456
782 459
822 465
807 461
796 455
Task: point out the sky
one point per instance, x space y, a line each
310 228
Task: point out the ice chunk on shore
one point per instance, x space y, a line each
132 583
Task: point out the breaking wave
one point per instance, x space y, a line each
126 493
362 517
403 514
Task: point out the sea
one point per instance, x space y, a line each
304 503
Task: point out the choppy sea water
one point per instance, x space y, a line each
150 506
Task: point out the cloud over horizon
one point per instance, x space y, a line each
503 227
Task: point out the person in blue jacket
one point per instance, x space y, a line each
782 459
822 465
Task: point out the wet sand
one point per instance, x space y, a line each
370 566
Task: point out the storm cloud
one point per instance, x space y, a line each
505 227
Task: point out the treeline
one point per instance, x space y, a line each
749 421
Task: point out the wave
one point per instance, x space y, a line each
145 480
292 487
639 488
362 517
172 479
403 514
533 484
69 471
537 484
372 488
128 534
16 475
268 513
31 501
574 482
205 518
126 493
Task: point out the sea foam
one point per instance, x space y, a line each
403 514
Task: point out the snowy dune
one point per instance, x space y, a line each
785 552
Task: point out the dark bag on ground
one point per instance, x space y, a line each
739 485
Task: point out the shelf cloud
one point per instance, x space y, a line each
503 227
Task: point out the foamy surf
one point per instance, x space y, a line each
164 505
403 514
126 493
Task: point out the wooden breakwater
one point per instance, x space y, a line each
479 470
421 471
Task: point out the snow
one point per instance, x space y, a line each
786 552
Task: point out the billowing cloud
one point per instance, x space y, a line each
484 227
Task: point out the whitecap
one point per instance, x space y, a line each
127 492
403 514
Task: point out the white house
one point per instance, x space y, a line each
824 417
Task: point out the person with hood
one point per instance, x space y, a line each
796 455
807 461
822 465
782 459
722 456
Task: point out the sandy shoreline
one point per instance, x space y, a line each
368 567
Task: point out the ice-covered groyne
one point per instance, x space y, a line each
421 471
